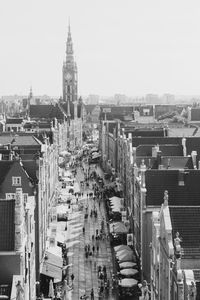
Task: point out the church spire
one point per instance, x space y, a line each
69 50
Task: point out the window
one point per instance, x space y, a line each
16 181
10 196
25 198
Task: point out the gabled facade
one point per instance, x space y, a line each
17 228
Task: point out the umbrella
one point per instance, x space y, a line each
122 247
127 282
126 257
51 289
127 264
129 272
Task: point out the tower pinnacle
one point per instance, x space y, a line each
69 50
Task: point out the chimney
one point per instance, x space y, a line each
168 163
155 150
159 159
134 154
166 197
143 169
184 147
194 159
181 181
11 155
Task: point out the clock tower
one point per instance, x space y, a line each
69 73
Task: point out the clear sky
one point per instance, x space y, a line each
121 46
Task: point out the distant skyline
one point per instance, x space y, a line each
128 47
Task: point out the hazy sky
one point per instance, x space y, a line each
121 46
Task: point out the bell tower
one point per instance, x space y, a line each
69 72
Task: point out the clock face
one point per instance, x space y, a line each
68 76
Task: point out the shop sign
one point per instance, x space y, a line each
130 239
123 216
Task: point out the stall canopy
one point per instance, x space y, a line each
129 256
127 264
114 199
52 266
116 203
123 252
128 282
128 272
96 154
122 247
118 227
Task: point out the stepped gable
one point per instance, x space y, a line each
157 181
166 150
7 225
5 166
185 220
45 112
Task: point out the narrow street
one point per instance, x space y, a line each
85 270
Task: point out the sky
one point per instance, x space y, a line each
131 47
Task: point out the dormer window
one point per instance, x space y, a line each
16 181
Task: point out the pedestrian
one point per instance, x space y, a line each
93 249
72 278
92 294
83 230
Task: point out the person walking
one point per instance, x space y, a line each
92 294
72 278
93 249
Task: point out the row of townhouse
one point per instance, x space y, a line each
29 190
150 164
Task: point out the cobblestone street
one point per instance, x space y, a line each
85 269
